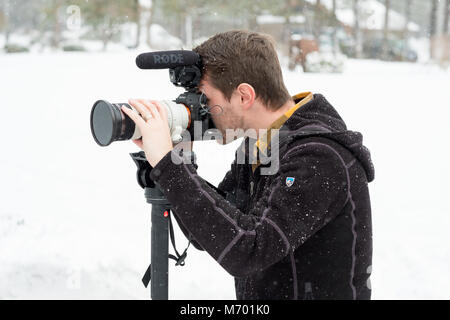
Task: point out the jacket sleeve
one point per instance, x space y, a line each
224 189
284 218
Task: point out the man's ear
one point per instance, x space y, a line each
247 95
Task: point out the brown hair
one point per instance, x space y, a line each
239 56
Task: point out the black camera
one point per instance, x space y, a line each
187 112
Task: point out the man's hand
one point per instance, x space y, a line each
156 141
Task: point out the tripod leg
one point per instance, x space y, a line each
159 247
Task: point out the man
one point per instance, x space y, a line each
299 231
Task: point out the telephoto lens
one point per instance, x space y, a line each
109 123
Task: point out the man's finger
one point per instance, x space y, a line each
162 110
150 107
134 116
141 109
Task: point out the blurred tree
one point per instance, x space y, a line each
240 13
433 18
51 20
185 13
53 14
4 21
420 12
317 21
142 16
433 26
250 10
106 17
446 17
407 14
357 30
289 9
324 19
19 16
385 54
2 18
147 8
334 24
137 19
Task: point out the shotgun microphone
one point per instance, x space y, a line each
167 59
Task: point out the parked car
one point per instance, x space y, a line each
373 49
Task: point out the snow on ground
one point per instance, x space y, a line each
74 222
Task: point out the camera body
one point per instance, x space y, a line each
188 111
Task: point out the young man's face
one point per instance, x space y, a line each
225 114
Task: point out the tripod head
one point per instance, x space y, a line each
143 170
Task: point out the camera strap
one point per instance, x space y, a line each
179 259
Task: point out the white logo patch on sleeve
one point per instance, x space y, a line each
290 181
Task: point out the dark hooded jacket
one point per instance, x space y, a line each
303 232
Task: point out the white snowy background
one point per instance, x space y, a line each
74 223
